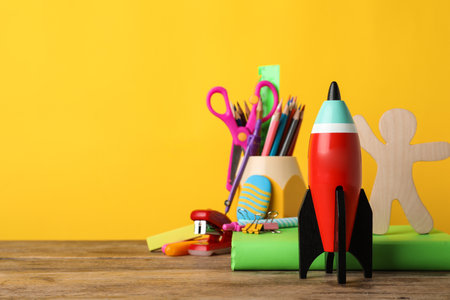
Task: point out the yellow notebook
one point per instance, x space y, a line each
176 235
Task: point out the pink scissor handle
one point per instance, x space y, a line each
274 91
252 118
239 134
220 90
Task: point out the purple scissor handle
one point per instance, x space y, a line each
240 134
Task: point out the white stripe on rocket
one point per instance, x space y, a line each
334 128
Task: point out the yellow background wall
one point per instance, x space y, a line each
104 131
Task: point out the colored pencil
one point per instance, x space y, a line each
288 121
233 111
237 117
280 130
239 108
291 133
259 110
294 141
239 120
275 120
241 114
247 110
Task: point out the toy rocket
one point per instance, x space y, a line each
335 215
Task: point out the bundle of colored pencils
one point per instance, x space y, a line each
283 129
240 116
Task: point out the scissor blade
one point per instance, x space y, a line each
237 150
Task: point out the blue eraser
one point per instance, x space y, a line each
254 198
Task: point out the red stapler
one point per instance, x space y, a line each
210 222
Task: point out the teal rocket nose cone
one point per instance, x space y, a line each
333 92
334 116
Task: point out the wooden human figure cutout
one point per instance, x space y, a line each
394 175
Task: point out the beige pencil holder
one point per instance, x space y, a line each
288 186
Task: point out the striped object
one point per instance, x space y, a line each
282 222
254 198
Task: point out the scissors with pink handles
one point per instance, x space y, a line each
240 133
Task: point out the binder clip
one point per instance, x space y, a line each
245 215
254 227
271 225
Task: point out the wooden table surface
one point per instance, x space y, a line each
108 269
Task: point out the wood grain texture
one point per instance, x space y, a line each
125 269
394 159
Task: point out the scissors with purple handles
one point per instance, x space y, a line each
240 134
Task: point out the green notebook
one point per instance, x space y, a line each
401 248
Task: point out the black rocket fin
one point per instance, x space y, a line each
361 242
329 260
341 266
310 243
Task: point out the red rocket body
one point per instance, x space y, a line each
334 160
